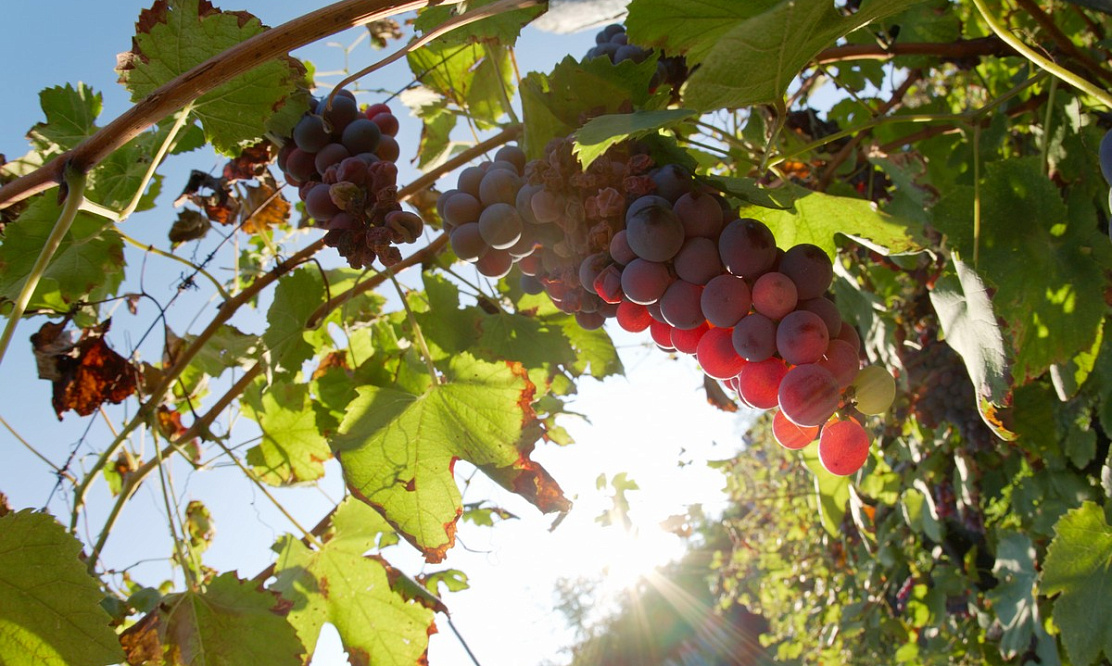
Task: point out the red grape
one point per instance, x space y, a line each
808 394
790 435
759 383
716 354
843 447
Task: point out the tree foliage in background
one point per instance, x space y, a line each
954 179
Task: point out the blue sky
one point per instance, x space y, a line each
644 424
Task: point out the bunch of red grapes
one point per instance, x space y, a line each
655 250
341 158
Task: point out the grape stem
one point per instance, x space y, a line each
209 75
75 194
1027 52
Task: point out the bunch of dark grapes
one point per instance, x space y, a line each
650 246
341 159
613 43
943 395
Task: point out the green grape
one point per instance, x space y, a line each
874 390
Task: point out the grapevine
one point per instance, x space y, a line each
875 233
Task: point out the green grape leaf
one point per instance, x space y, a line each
1078 568
231 622
398 448
228 347
534 341
1047 272
503 28
474 77
88 264
685 27
595 351
292 449
339 585
297 296
602 132
832 492
174 36
755 60
966 314
554 105
51 614
359 527
71 115
1013 599
814 217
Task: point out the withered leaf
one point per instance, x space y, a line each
190 225
86 374
250 164
717 396
263 207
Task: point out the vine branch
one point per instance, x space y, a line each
203 78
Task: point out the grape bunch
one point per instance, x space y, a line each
612 42
656 250
341 159
944 395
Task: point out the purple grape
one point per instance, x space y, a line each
725 300
333 153
672 181
513 155
620 250
470 179
309 134
388 149
319 203
801 337
500 226
680 305
524 203
499 186
387 123
810 268
754 338
698 261
467 242
495 264
700 213
747 248
361 136
300 165
774 295
343 112
644 281
654 232
826 309
462 208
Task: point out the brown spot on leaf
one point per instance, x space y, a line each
432 555
411 485
5 508
141 642
358 656
533 482
86 374
322 583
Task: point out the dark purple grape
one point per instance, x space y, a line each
653 232
499 186
620 250
680 305
284 154
654 312
388 149
513 155
387 123
467 242
700 213
810 268
801 337
300 165
500 225
747 248
590 267
361 136
343 112
462 208
495 264
352 170
342 222
589 321
333 153
524 203
319 205
630 52
698 261
725 300
530 284
309 134
524 245
469 180
754 337
826 309
644 281
672 181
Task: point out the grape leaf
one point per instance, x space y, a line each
51 614
292 449
600 133
339 585
173 36
690 28
755 60
231 622
832 492
1013 599
1047 272
398 448
1078 568
297 296
88 264
595 352
556 104
503 28
814 217
472 76
71 115
966 315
